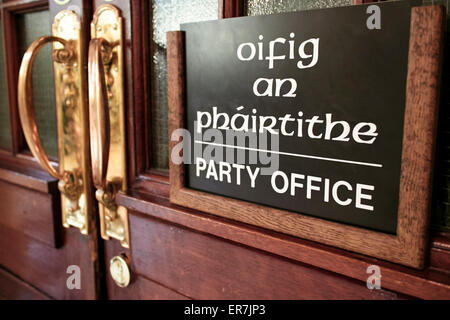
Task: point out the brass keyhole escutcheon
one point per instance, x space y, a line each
118 268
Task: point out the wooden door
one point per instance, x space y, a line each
173 252
39 258
179 253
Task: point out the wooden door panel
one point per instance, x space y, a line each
180 253
142 288
36 250
431 283
205 267
31 260
30 212
440 254
15 288
45 267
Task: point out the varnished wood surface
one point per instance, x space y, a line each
231 9
426 284
44 267
13 288
420 126
25 225
140 287
440 253
205 267
176 101
18 171
37 217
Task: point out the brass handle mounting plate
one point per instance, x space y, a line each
107 120
71 116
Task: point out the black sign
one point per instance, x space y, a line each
301 111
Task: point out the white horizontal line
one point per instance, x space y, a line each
292 154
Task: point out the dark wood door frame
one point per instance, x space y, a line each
149 191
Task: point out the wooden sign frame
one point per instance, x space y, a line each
409 245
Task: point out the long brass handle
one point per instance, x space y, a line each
107 120
25 99
99 123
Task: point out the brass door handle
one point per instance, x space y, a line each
70 114
107 120
26 105
99 124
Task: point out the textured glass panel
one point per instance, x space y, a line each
5 132
167 16
260 7
30 26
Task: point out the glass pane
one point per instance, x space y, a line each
30 26
167 16
5 129
259 7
